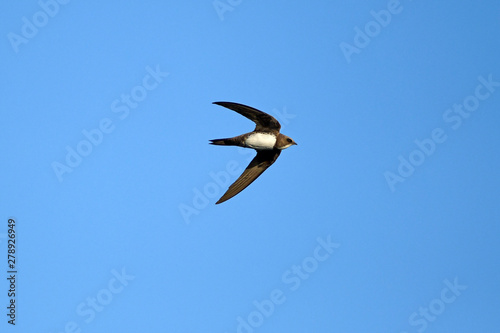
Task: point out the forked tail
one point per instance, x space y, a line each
224 142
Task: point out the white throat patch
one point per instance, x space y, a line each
285 147
261 141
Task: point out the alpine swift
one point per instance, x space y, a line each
266 139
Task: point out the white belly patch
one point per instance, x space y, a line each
261 141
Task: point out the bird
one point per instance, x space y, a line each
266 139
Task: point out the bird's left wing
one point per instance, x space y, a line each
263 160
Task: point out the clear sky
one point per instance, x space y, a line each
384 218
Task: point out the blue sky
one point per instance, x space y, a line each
384 218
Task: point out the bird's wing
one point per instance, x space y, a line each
264 121
263 160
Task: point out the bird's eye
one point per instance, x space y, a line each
288 140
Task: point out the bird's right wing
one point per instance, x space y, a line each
263 121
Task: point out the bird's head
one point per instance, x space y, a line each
284 142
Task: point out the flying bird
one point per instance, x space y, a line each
266 139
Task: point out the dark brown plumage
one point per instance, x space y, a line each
265 139
257 166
